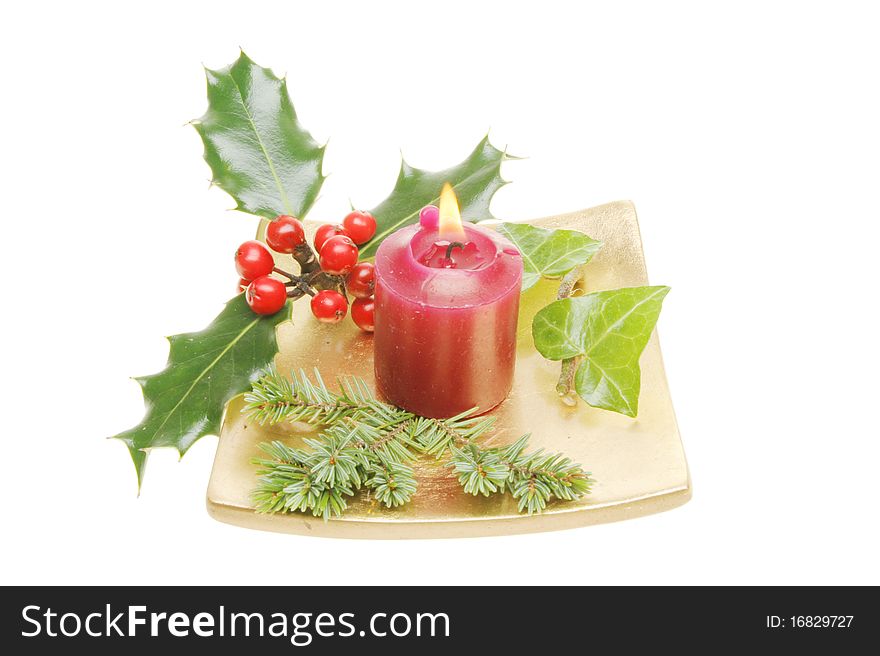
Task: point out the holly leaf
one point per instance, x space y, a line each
475 181
257 150
185 401
608 332
549 253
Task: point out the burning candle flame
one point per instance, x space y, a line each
450 216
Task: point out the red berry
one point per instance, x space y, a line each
338 255
329 306
361 280
242 284
284 234
253 259
360 226
362 313
324 233
266 295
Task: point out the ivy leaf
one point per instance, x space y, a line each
257 150
475 181
185 401
558 329
608 331
549 253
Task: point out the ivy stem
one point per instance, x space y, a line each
569 365
566 381
569 282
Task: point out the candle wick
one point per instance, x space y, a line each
454 244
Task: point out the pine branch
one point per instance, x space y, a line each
537 477
437 436
392 483
480 471
534 479
275 399
286 484
368 444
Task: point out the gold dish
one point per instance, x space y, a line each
638 464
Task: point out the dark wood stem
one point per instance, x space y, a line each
311 278
305 256
321 280
284 273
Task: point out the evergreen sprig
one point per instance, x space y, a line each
276 399
368 444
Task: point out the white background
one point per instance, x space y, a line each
748 137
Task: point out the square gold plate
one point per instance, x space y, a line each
638 464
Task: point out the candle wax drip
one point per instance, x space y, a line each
466 257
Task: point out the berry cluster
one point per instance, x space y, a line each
328 278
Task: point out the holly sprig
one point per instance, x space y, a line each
365 444
272 167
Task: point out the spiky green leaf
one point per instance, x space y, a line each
475 181
185 401
257 150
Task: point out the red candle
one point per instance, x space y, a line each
447 299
